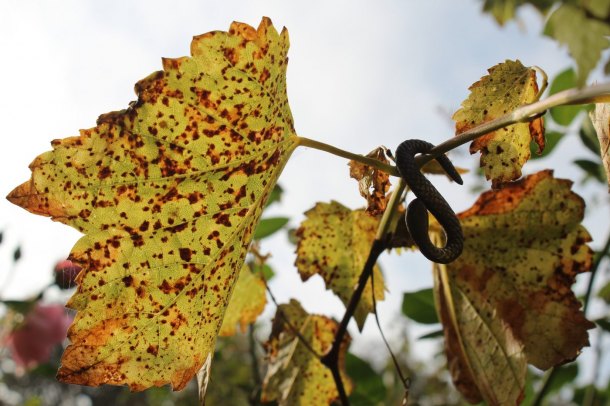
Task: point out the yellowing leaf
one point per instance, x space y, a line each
600 118
334 242
247 302
296 376
507 299
485 360
168 193
373 183
503 152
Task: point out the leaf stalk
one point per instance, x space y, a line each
307 142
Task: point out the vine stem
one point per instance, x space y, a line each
591 94
308 142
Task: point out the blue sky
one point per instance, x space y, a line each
361 74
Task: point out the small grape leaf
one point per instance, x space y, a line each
600 118
508 86
373 183
247 302
334 242
168 193
585 37
507 300
295 375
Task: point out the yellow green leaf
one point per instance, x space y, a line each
168 193
296 376
503 152
485 360
334 242
247 302
507 300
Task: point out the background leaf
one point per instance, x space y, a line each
588 136
275 196
419 306
368 383
593 169
564 115
552 140
564 376
604 324
585 37
269 226
248 301
604 293
335 242
296 376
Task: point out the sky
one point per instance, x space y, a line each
361 74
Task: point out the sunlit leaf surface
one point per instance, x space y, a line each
168 193
334 242
507 300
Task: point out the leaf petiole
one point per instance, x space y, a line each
308 142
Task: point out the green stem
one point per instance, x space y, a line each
307 142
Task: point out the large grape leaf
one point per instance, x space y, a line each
507 300
168 193
503 152
296 376
334 242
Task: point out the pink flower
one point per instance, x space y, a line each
44 327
